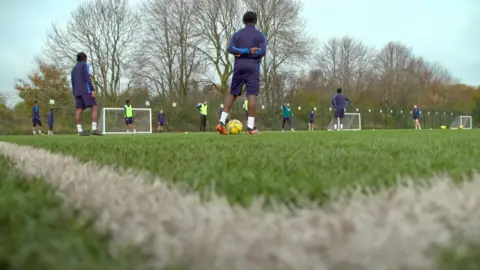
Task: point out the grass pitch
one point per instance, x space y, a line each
287 167
38 232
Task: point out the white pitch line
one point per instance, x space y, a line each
389 230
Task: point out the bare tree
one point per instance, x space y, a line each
106 31
215 21
396 72
288 46
346 63
168 57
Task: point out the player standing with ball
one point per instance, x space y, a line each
249 46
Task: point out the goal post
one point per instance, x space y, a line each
113 121
463 120
350 122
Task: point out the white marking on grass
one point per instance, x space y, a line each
389 230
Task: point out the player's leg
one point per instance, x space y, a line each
252 89
79 108
235 92
39 127
340 119
91 102
203 123
290 124
284 120
34 127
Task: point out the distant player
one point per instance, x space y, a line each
416 116
50 122
36 123
249 46
245 108
128 114
84 94
287 115
203 108
161 121
311 120
339 102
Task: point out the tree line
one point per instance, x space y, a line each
175 51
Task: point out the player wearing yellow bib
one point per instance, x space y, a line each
245 107
128 114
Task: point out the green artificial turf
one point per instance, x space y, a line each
37 233
285 166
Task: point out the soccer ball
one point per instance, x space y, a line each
443 127
460 127
234 127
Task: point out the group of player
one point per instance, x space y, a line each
37 123
248 45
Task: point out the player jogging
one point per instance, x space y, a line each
339 102
50 122
161 120
84 94
416 116
128 114
287 114
36 123
249 46
311 120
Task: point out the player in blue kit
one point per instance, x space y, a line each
339 102
416 116
249 46
311 120
36 123
84 93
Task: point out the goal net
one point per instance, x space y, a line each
464 120
350 121
113 120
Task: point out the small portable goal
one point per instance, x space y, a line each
113 121
463 120
350 122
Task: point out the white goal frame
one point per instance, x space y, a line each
462 121
350 129
124 132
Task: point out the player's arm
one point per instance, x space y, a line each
72 79
233 47
347 101
262 50
334 102
124 111
88 77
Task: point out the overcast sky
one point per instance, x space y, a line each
443 31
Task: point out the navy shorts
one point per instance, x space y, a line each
161 123
310 121
85 101
36 122
339 113
250 79
129 120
